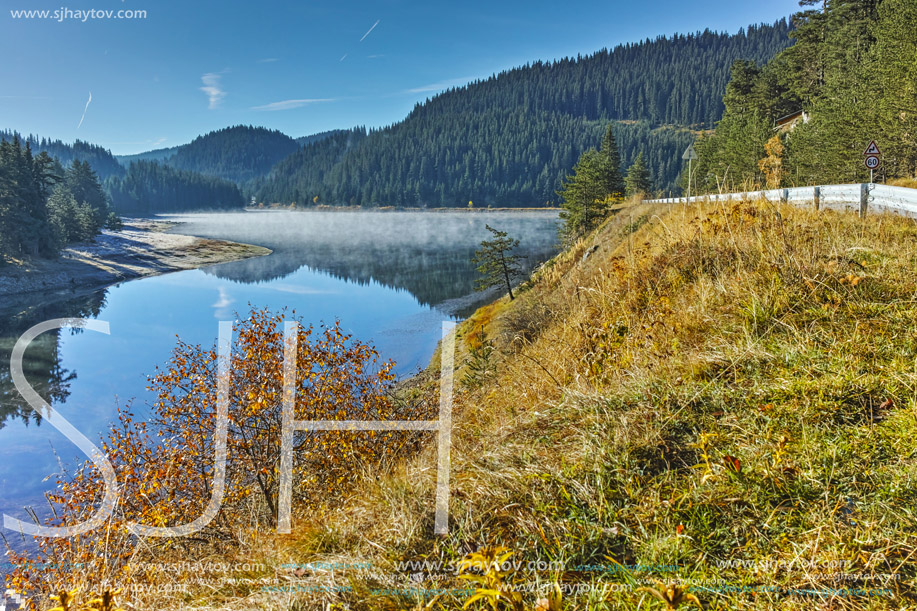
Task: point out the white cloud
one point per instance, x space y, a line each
213 89
268 60
222 305
224 299
291 104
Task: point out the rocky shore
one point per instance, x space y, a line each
142 248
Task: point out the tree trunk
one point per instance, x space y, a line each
509 287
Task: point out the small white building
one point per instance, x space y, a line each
790 121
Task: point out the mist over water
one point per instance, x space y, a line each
425 253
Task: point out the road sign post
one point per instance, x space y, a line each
690 154
872 159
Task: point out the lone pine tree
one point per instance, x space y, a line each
495 261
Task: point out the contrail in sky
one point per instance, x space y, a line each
84 110
370 30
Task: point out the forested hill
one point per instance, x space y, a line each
510 139
100 159
670 80
312 138
237 153
154 155
852 71
150 187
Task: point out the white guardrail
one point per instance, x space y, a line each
857 197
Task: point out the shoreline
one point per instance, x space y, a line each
142 248
394 209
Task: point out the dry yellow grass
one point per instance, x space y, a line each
687 386
910 183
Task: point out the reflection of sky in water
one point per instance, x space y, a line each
147 315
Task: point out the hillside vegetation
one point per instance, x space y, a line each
724 395
150 183
852 71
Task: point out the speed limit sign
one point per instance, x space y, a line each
872 162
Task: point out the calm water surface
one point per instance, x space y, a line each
391 278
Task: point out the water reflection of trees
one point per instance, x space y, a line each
432 276
41 366
427 254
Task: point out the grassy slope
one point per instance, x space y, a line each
731 383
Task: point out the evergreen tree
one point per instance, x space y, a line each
584 196
892 81
62 208
612 182
638 178
42 211
83 184
496 263
101 160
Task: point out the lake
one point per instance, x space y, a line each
390 278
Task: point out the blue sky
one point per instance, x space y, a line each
301 67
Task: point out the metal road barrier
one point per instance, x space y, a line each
862 198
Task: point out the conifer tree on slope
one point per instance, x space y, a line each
638 177
612 182
496 263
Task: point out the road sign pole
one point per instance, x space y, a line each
689 179
690 155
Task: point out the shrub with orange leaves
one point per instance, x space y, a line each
165 465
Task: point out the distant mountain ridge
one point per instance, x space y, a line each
312 139
154 155
239 153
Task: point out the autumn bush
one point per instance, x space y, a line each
165 463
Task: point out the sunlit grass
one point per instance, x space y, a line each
731 383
